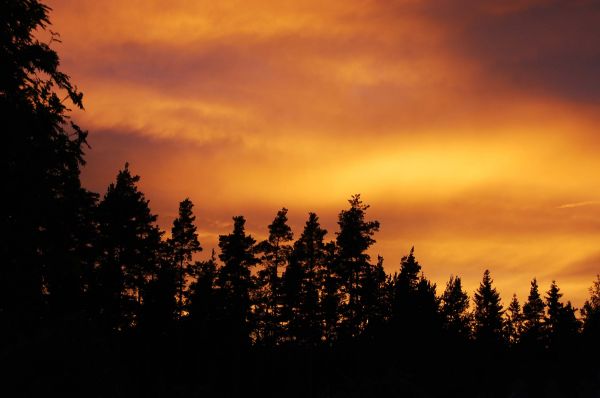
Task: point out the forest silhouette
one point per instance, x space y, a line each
95 301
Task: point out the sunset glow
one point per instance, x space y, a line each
471 128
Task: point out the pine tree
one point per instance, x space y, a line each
331 295
309 255
184 243
275 254
514 321
455 309
353 240
533 319
203 305
487 316
130 243
46 217
234 279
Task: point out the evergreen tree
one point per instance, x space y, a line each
561 324
404 292
130 244
455 309
275 253
234 280
331 295
309 259
591 317
353 240
46 215
184 243
487 316
533 318
203 305
159 310
373 291
514 321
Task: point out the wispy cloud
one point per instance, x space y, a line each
579 204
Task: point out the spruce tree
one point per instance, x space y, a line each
234 280
487 316
454 309
130 248
514 321
533 319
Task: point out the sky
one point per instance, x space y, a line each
469 126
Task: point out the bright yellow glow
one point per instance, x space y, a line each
246 107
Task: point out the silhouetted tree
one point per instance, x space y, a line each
533 319
203 305
331 295
487 315
46 215
514 321
275 253
591 317
184 243
234 279
454 309
303 281
160 308
130 244
353 240
404 292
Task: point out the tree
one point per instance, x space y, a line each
353 240
488 312
533 318
203 305
234 279
404 292
561 324
302 284
275 253
184 243
130 244
591 317
514 321
46 213
454 309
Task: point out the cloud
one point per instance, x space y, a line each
470 127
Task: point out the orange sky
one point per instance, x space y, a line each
470 127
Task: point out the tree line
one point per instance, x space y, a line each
92 279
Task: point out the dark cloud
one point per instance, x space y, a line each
547 48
